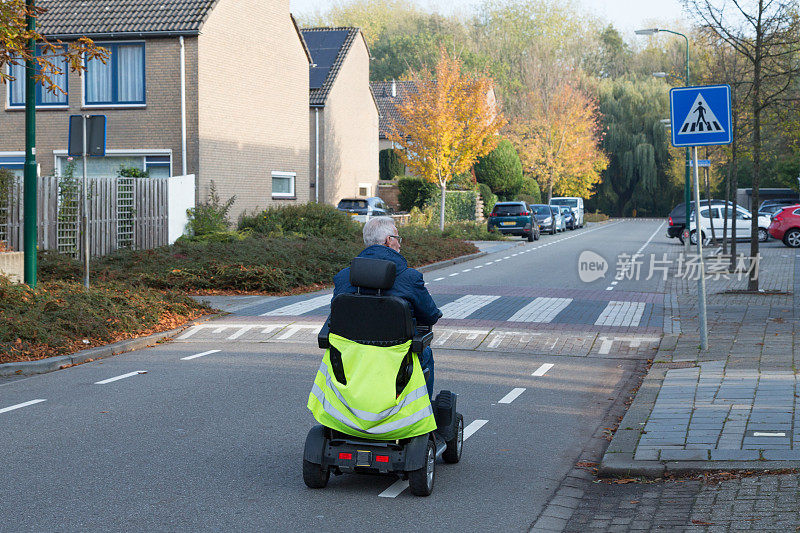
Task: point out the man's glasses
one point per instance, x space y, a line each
398 237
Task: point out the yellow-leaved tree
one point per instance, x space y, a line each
557 135
446 123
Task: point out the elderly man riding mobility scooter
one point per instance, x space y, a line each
370 394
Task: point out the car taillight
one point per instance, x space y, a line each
670 221
492 214
778 217
524 213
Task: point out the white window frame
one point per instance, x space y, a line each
367 186
58 156
279 174
39 107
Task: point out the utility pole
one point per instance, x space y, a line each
30 222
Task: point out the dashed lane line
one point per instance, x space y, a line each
639 251
21 405
511 396
542 370
123 376
396 488
195 356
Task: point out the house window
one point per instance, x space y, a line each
44 97
15 164
118 81
157 166
364 189
283 184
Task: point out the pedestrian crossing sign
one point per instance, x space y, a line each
701 116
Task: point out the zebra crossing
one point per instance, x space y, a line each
572 308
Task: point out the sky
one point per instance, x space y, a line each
626 15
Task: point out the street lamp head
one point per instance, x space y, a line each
647 31
659 74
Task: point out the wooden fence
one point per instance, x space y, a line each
123 213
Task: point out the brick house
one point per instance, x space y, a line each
188 89
344 116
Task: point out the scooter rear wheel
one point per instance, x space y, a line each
314 476
421 481
452 454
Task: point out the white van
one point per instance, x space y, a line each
574 203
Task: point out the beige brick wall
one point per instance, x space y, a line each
253 103
351 130
157 126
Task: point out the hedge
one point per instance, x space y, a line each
415 192
459 205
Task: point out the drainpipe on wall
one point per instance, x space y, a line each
184 165
316 154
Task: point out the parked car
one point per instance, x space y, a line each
363 208
742 219
677 217
786 226
514 218
570 221
782 202
559 218
544 218
770 210
574 203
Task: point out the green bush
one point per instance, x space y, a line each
462 182
310 219
530 189
389 164
211 216
501 170
415 192
458 205
489 198
471 231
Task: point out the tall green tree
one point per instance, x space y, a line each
501 170
637 145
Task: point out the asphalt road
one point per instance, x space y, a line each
214 442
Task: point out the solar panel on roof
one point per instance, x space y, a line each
324 47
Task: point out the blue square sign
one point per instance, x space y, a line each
701 116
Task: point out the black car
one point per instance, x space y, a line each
544 217
677 217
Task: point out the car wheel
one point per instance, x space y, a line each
763 235
530 236
537 235
792 238
421 481
693 237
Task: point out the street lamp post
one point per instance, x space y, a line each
30 216
687 194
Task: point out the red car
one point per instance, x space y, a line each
786 226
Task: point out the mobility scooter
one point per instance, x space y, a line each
370 395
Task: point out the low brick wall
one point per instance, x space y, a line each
12 264
389 193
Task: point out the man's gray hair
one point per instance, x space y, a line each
377 229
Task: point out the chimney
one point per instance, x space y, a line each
394 89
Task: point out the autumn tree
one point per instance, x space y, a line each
446 123
557 133
14 37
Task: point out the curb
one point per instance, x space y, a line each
450 262
50 364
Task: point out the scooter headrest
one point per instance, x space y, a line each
369 273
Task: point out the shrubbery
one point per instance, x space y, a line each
489 198
530 189
459 205
415 192
211 216
302 220
501 170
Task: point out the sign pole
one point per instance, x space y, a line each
85 207
701 280
30 180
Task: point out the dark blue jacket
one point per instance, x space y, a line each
407 285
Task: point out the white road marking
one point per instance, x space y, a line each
651 238
239 333
624 314
489 263
511 396
445 335
467 270
542 370
396 488
272 327
123 376
466 305
507 257
769 434
299 308
453 274
219 330
479 266
541 310
20 405
195 356
609 288
291 330
438 279
614 282
189 333
634 342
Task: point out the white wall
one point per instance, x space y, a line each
181 194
